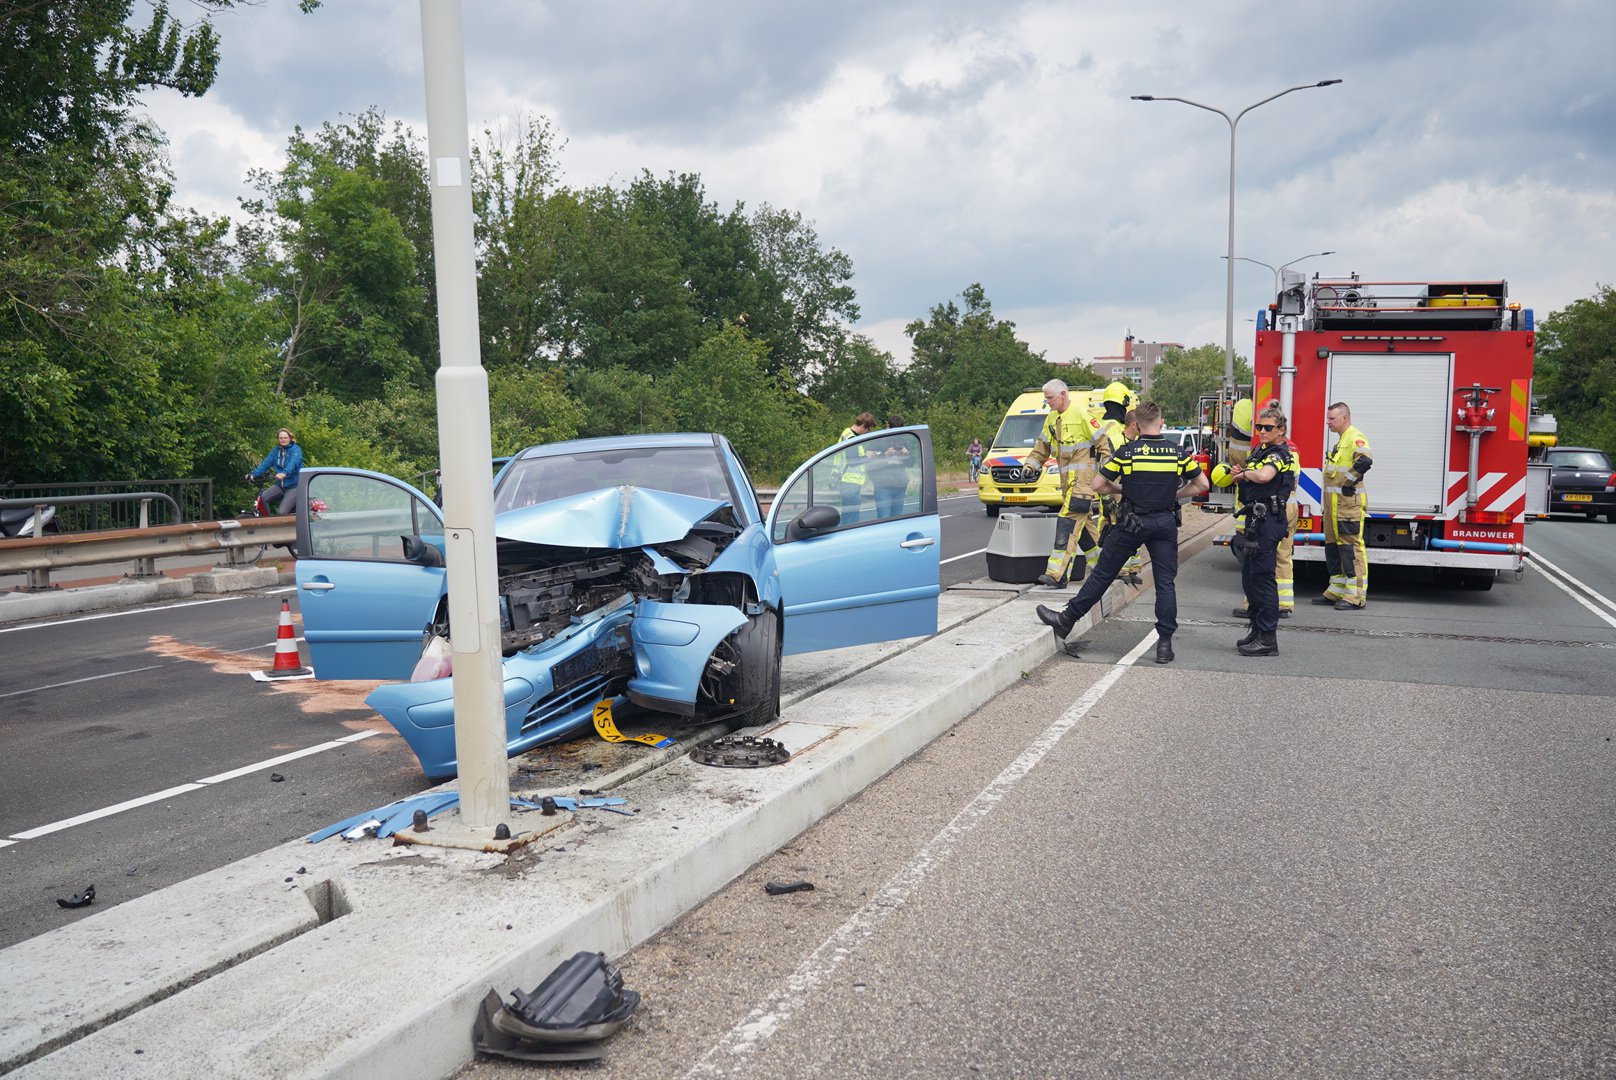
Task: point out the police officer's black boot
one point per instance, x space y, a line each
1252 634
1164 648
1058 621
1265 645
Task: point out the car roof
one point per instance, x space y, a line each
1577 449
622 442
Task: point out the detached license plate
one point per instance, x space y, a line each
1579 498
1015 498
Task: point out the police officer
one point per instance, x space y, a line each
1345 506
1266 481
1070 440
1151 475
1284 561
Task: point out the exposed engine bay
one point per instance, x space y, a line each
545 589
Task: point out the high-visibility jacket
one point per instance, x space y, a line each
1074 442
1339 470
852 471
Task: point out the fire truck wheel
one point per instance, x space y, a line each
1478 582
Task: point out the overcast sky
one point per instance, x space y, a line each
943 143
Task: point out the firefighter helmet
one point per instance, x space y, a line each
1241 419
1118 392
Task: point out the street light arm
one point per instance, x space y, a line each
1282 93
1187 101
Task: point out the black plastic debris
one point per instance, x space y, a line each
565 1018
777 888
83 898
502 831
275 778
740 752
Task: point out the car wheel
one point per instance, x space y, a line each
768 710
1610 516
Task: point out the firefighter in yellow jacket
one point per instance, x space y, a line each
1115 420
1070 440
1345 507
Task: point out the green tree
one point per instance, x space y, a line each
726 387
336 264
1576 369
969 356
618 401
856 376
1183 375
805 302
129 345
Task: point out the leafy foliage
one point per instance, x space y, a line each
1184 375
970 356
1576 369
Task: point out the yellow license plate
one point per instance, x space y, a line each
1579 498
1015 498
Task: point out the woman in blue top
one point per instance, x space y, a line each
284 462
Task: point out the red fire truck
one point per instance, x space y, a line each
1438 375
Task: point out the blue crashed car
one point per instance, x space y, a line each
633 567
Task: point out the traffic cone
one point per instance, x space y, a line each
287 662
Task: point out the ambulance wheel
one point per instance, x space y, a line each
992 509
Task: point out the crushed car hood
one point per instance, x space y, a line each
612 518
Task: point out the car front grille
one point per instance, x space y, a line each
1007 474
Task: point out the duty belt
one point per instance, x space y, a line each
1275 503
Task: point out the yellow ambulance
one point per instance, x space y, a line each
1000 485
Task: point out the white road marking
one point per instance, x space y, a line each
750 1034
168 793
115 614
957 558
75 682
106 811
1554 579
258 766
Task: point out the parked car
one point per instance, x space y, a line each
634 568
1582 482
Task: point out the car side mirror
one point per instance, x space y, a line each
417 550
813 521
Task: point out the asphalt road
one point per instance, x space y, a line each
1388 851
157 705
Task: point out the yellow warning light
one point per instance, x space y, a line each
1514 305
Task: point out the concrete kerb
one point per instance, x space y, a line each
18 607
365 960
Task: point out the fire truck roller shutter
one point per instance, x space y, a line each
1402 403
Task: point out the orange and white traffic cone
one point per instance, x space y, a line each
287 662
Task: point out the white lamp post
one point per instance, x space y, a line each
1277 270
1234 123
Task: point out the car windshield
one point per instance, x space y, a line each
1579 459
684 470
1020 430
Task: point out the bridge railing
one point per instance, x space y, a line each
192 497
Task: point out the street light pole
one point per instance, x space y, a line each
1234 123
1277 270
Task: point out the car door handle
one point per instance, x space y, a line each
918 542
318 586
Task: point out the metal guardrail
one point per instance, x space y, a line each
240 540
40 502
194 496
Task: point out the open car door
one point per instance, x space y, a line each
369 572
856 536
